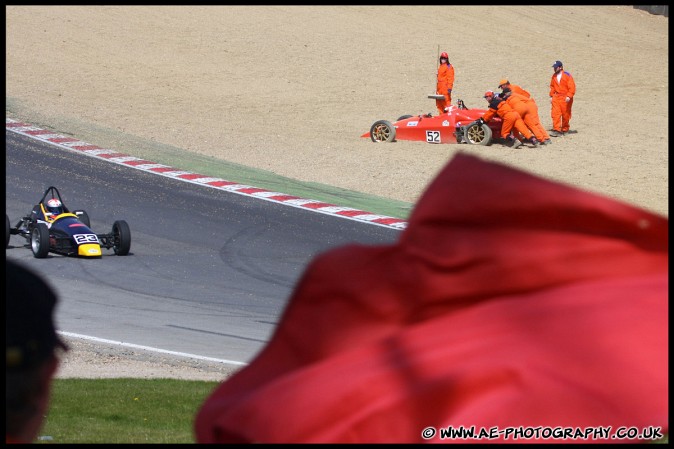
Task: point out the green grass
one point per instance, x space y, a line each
128 411
124 410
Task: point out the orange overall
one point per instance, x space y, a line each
518 90
504 83
560 90
528 110
445 84
510 118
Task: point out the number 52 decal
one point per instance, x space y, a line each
433 136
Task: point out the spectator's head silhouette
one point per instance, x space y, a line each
31 351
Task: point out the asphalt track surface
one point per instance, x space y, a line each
209 272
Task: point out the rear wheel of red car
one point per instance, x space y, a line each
39 240
477 134
121 233
382 131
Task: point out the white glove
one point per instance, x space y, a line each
568 99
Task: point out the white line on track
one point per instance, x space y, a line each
149 348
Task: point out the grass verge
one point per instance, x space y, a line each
124 410
128 411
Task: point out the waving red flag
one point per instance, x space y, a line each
510 303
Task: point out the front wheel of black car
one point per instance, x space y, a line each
39 240
476 134
121 235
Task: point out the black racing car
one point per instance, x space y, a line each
52 227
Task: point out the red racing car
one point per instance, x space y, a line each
457 125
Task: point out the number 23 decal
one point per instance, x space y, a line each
433 136
85 238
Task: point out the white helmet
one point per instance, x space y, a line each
54 206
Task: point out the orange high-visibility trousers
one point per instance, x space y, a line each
528 110
512 120
561 113
533 109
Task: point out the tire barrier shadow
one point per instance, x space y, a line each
658 10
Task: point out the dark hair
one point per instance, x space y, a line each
30 334
31 344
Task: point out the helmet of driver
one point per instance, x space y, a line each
489 94
444 55
54 206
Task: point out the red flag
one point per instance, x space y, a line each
509 303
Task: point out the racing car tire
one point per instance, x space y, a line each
121 234
83 217
39 240
475 134
404 117
7 233
382 131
